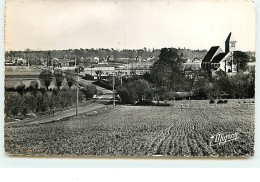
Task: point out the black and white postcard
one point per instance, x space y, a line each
169 78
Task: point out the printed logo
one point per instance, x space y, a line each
220 138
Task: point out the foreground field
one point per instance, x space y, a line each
138 130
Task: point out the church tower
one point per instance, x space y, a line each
230 44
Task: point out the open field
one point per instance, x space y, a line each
22 70
14 75
140 130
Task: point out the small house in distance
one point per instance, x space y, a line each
217 59
192 64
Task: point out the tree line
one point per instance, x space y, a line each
35 57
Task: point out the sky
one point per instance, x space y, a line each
125 24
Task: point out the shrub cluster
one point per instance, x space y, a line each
104 84
28 103
89 91
135 91
212 101
222 101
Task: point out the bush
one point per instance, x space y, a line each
88 77
123 94
20 89
162 104
220 101
13 104
212 101
34 87
70 79
90 91
135 91
59 78
225 101
104 84
17 105
46 78
145 103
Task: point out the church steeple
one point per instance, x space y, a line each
230 44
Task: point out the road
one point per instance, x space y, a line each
106 94
91 106
88 82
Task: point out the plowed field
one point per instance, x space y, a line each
139 130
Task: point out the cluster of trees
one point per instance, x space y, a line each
46 77
39 101
41 98
167 77
134 90
223 86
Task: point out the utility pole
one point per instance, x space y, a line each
52 68
77 92
114 90
121 81
91 66
77 104
75 65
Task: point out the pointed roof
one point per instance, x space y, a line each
218 57
230 38
210 54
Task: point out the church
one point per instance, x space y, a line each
217 59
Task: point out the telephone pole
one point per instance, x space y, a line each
77 104
114 90
77 91
52 68
91 66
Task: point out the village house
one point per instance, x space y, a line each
192 64
106 70
217 59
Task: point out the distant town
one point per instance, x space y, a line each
125 62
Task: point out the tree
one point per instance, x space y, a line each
201 88
20 89
90 91
58 75
117 79
135 90
34 87
102 53
142 88
251 86
123 93
46 78
13 104
99 73
70 79
167 71
240 59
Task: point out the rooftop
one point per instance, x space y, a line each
210 53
